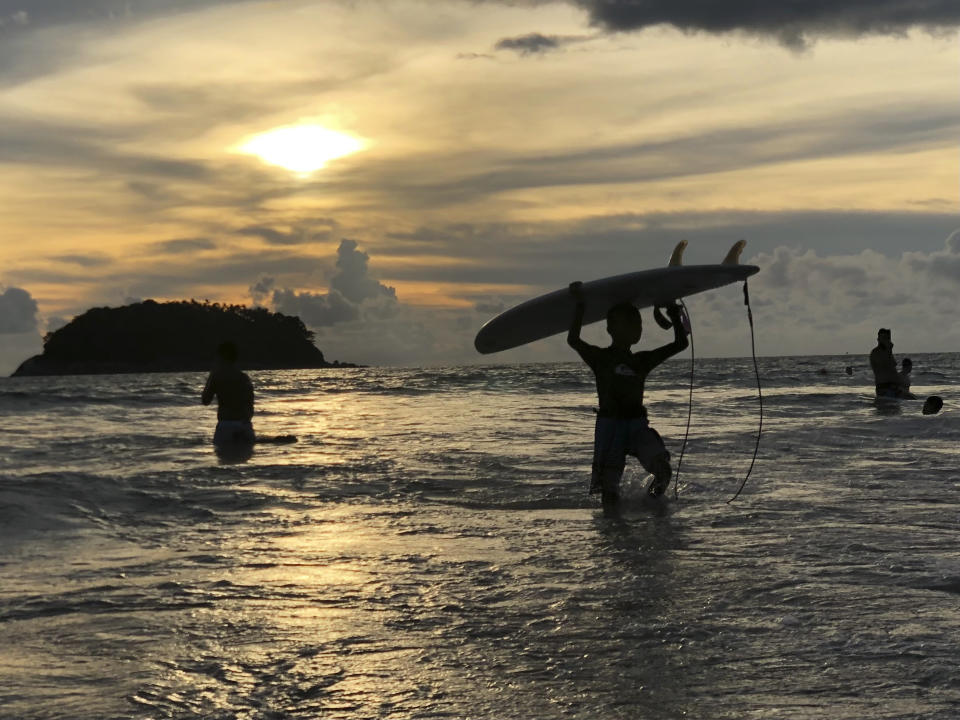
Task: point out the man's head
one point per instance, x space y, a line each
932 405
227 352
883 337
907 364
624 324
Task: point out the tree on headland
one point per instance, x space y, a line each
174 336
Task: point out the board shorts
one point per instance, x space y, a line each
234 432
613 440
888 390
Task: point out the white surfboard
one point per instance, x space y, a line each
551 314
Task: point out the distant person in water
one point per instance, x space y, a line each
885 373
932 405
622 428
906 367
234 393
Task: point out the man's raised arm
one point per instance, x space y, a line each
680 341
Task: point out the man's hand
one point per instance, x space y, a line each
678 317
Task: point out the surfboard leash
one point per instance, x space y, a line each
756 370
686 435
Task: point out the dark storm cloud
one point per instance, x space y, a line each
794 24
18 312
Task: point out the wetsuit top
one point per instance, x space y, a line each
620 376
884 367
234 393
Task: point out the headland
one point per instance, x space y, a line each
179 336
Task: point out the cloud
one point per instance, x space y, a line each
18 312
943 266
19 328
260 290
315 309
304 231
791 23
352 278
18 18
87 261
490 306
534 43
55 322
183 245
28 140
362 320
794 24
809 303
353 293
43 13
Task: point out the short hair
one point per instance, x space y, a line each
907 362
932 405
227 351
883 331
623 311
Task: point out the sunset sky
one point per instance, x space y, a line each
489 151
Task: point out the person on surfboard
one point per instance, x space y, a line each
234 393
885 374
622 428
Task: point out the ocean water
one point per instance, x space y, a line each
428 550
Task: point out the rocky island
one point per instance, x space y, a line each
178 336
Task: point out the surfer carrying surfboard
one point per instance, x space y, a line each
234 393
622 427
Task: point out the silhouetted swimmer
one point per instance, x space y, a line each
906 367
849 370
622 428
234 393
932 405
884 366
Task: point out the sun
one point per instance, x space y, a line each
301 149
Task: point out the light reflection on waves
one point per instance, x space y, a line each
435 554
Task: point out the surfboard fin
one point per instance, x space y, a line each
733 257
676 258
